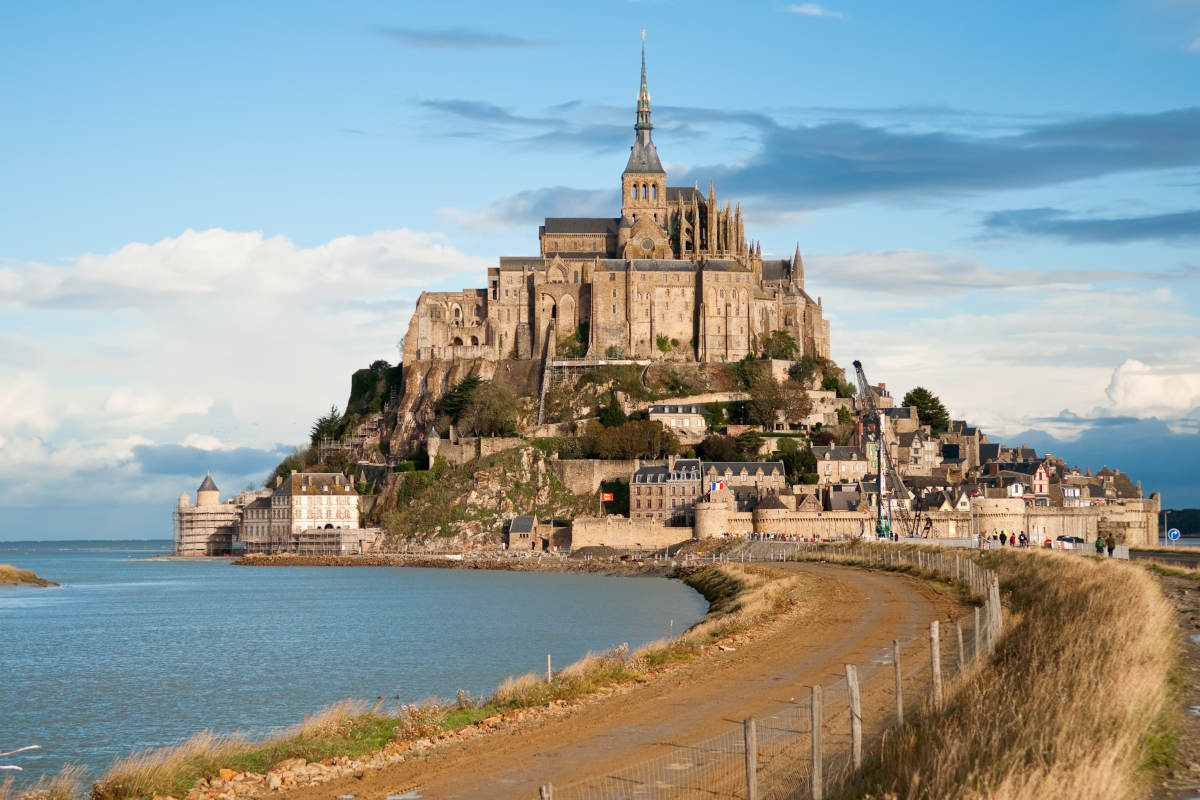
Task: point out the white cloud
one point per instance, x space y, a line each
1163 390
814 10
1195 45
221 262
200 340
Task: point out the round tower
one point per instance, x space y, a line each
184 500
208 494
712 519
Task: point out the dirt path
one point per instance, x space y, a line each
1182 780
854 614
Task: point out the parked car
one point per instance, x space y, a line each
1072 539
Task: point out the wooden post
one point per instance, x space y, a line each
751 736
818 788
935 663
546 792
855 717
978 634
962 656
899 685
549 672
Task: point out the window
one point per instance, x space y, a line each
654 191
633 194
612 276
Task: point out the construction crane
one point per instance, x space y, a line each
883 503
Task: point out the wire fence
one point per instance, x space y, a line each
806 748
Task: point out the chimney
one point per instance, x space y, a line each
882 387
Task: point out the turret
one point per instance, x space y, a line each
207 494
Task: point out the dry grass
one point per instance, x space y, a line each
1072 705
66 785
21 577
738 596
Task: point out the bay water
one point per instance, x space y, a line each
129 653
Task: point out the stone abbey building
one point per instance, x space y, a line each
672 277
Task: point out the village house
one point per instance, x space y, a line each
838 464
688 422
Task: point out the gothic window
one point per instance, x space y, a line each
635 192
654 191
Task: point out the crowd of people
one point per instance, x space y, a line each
1005 539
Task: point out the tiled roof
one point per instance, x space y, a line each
582 225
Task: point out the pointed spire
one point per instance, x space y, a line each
643 125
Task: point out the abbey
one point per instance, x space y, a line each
672 277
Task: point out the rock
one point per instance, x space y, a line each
274 782
162 797
227 774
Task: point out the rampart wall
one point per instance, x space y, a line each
583 476
624 533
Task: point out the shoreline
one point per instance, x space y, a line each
15 576
648 569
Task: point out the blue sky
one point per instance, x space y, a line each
211 214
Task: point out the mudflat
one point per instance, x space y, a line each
850 617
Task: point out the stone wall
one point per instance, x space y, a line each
623 533
583 476
468 448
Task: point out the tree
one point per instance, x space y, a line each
326 426
750 443
766 401
490 410
930 410
780 345
796 403
637 438
611 414
456 399
718 447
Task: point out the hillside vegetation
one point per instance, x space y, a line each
1073 704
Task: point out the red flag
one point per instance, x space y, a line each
606 497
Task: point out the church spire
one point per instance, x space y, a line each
643 125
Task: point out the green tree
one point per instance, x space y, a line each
611 414
456 399
749 444
930 410
663 343
326 426
780 345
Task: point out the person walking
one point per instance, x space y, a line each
1099 546
1024 540
1111 544
1003 538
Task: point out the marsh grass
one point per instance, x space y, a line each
66 785
21 577
1074 703
739 597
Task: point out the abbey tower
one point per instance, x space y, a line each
673 277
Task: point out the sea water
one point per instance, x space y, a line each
129 654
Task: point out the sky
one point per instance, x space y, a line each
211 214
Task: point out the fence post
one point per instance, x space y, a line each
978 635
962 655
751 735
855 717
935 663
899 686
546 792
549 672
818 789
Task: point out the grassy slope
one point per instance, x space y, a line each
21 577
1072 705
430 503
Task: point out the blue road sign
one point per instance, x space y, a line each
1173 534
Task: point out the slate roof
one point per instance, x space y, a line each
845 500
524 523
835 452
208 485
686 193
643 158
685 469
676 409
772 503
517 262
776 269
316 483
607 225
735 467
